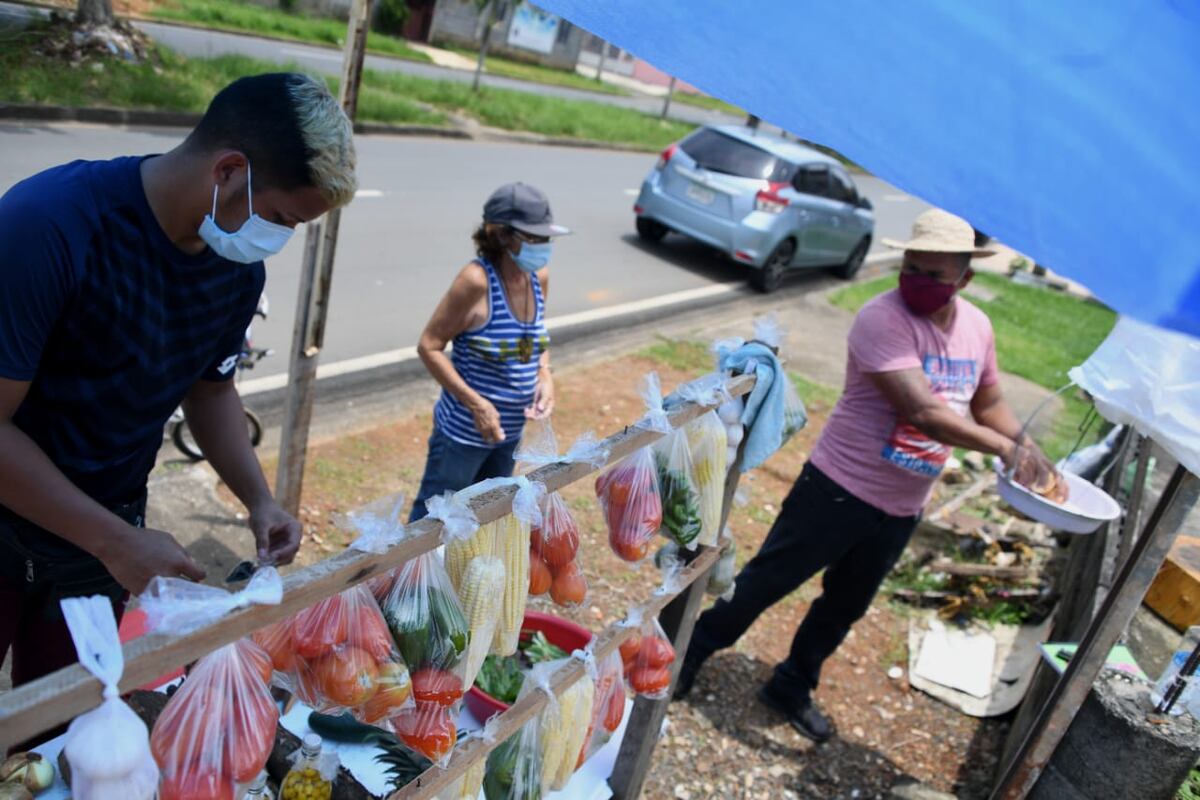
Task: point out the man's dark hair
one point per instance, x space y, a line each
257 115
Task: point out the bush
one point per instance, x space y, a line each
390 16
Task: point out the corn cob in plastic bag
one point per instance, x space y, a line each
564 722
708 442
470 784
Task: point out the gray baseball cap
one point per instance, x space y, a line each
523 207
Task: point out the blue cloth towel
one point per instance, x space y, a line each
766 413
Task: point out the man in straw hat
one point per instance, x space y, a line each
921 378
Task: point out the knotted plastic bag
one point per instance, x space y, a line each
608 705
379 524
176 606
708 442
564 721
345 659
470 783
507 539
679 489
647 657
514 769
108 747
554 561
216 732
628 494
427 623
768 331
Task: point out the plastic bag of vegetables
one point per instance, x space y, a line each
628 494
507 539
564 722
470 783
108 747
342 658
554 563
514 769
647 656
428 626
216 732
678 487
709 443
608 706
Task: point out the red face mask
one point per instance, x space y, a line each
924 294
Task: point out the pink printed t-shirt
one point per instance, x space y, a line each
865 447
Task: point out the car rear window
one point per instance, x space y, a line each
717 152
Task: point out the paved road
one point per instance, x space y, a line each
207 44
408 232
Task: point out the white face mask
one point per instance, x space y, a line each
255 240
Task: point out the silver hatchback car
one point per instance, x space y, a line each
768 203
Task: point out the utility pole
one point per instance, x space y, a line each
667 101
603 57
312 305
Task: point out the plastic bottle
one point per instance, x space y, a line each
309 778
258 789
1190 699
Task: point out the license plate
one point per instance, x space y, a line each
700 194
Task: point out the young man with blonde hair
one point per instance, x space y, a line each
126 287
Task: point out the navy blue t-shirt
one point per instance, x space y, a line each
109 321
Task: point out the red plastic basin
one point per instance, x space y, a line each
559 632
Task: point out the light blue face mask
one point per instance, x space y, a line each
533 256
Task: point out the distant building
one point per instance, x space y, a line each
524 32
622 62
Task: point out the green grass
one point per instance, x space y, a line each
680 354
705 101
239 16
1191 787
537 73
550 116
816 396
182 84
1040 334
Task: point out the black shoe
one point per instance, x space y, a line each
802 715
687 677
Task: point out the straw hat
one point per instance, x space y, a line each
937 231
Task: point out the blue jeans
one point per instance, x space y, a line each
451 466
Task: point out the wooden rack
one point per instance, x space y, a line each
59 697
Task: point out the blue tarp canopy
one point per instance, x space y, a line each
1070 130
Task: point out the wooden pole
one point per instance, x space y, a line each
603 58
1136 574
312 306
666 109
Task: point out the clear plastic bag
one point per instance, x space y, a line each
427 623
507 539
216 732
709 444
628 494
514 769
678 489
344 658
768 331
608 705
564 721
470 783
178 606
108 747
721 579
554 563
647 657
379 524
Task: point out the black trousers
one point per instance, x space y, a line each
821 526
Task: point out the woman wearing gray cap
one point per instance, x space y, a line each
498 373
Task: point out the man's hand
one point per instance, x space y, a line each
276 534
487 421
1035 471
135 555
543 397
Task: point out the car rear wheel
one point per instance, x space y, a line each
650 230
855 261
768 279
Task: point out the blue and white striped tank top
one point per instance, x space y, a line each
500 361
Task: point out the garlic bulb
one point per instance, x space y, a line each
30 770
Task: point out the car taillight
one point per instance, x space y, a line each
665 157
769 200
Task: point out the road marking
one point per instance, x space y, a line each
897 198
631 192
390 357
368 193
310 54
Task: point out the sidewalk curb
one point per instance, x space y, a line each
186 119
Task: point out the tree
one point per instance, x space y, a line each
94 13
491 12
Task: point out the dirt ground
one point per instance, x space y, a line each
721 743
